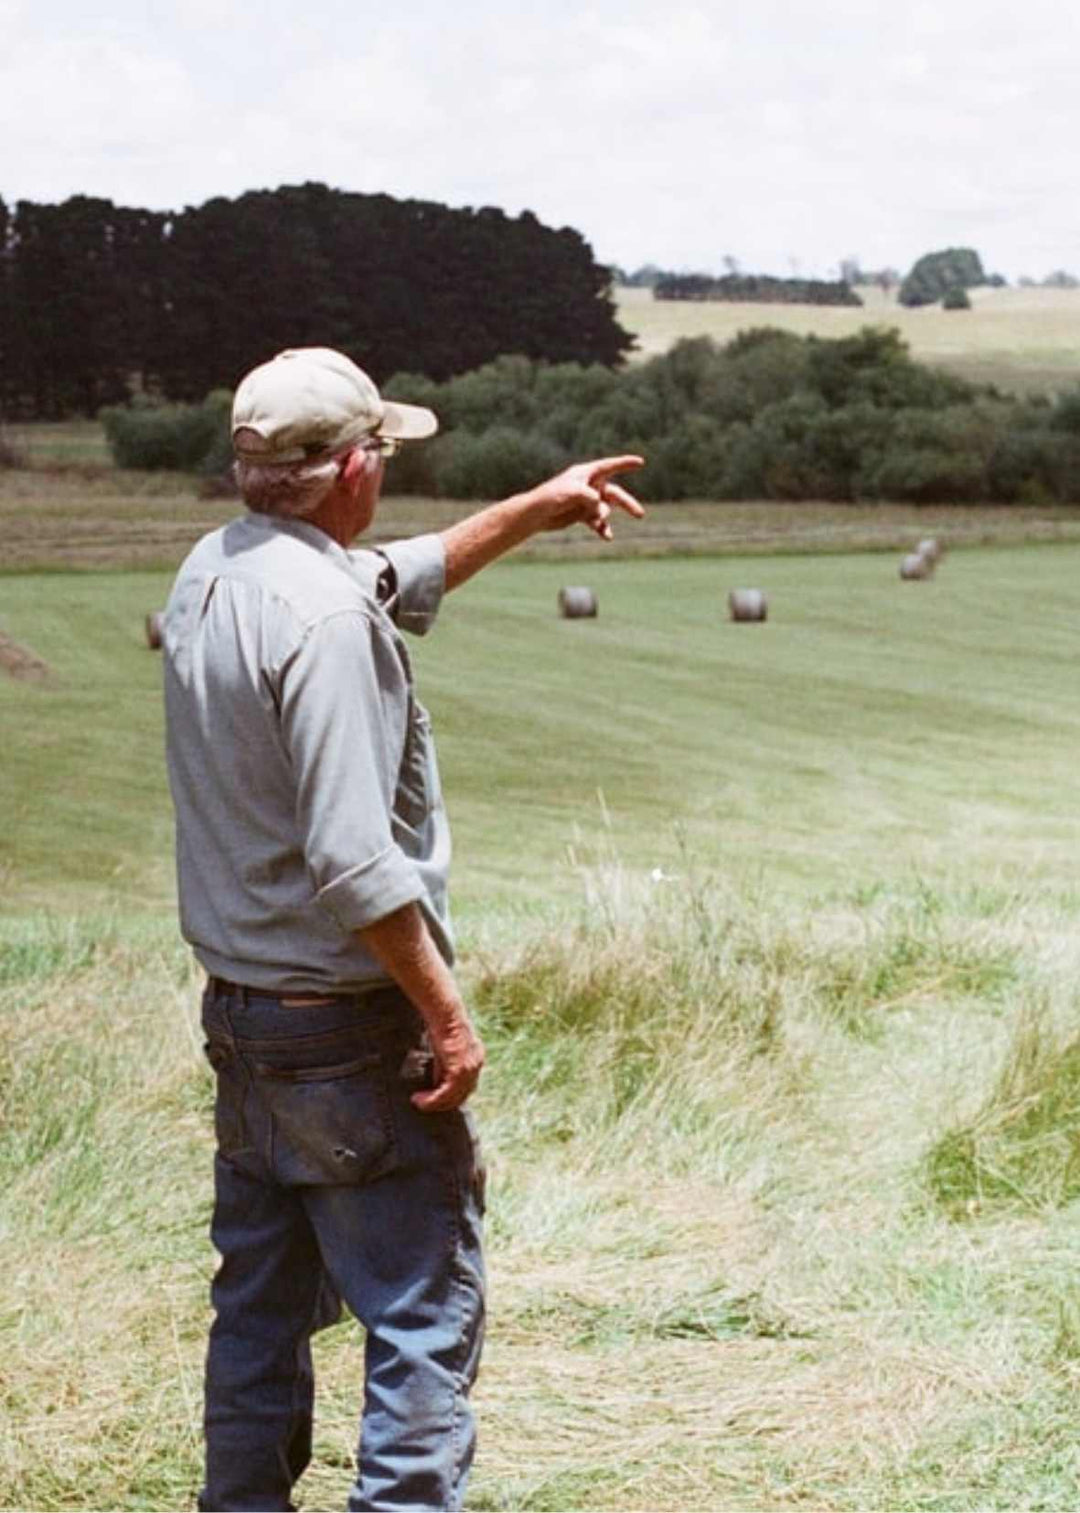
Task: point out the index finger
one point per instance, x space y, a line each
604 468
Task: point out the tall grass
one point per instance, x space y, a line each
716 1277
1021 1147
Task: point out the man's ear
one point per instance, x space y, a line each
352 465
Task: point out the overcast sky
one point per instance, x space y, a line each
786 135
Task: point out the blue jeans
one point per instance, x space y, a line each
329 1185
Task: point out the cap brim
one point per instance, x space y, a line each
407 422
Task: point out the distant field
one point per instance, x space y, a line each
1024 339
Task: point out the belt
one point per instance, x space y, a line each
287 1000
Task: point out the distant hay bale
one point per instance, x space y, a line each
930 548
577 604
748 604
153 630
915 567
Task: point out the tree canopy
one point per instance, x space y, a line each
97 300
936 273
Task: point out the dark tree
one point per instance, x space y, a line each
82 304
757 288
937 272
955 298
100 301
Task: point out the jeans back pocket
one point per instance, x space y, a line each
329 1124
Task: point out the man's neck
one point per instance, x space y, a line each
337 516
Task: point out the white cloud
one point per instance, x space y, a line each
787 130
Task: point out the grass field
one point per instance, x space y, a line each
935 723
772 932
1022 339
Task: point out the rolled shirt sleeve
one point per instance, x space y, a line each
418 579
344 714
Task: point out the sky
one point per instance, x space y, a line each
784 135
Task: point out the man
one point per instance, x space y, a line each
312 854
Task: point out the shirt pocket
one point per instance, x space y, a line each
329 1124
419 790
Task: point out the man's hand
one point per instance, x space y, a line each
585 493
402 944
459 1059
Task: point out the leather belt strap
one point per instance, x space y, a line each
287 1000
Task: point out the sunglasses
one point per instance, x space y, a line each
386 446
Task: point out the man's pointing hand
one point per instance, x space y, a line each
584 493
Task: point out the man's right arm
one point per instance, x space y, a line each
582 494
401 943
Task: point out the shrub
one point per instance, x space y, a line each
689 463
1065 415
956 298
930 457
1033 465
800 449
185 438
501 461
500 393
769 415
1022 1148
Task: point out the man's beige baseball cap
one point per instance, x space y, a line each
312 402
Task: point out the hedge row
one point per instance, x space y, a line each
770 415
756 288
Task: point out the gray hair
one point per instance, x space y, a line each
285 488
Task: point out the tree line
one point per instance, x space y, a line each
98 302
756 288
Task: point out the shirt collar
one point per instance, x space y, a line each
303 530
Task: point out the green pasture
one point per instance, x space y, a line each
935 724
772 935
1022 339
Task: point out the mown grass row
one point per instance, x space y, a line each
782 1207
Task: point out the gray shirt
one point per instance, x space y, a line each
301 764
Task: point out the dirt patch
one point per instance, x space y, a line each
20 662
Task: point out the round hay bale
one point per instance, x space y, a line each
748 604
153 630
915 567
577 604
930 548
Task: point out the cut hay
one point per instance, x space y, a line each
578 604
748 604
915 568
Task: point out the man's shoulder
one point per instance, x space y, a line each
264 564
